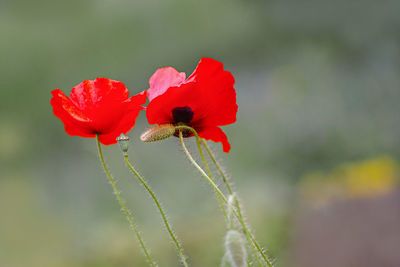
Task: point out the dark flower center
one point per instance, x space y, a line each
182 115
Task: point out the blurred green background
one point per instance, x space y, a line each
315 148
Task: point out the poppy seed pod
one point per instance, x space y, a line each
158 133
123 141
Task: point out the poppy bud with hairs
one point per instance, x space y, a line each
158 133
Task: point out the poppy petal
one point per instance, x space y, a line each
98 107
102 100
159 110
217 135
74 120
162 79
219 96
128 119
90 95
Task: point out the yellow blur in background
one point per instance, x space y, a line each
368 178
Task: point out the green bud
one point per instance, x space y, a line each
123 141
158 133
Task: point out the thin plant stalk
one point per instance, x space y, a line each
211 155
163 215
221 203
230 225
248 234
237 213
228 186
128 215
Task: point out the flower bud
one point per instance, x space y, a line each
123 141
235 248
158 133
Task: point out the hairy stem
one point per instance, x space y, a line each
221 203
248 234
221 172
124 209
229 187
163 215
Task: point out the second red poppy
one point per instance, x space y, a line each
203 101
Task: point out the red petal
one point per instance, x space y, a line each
127 121
208 92
102 100
162 79
159 110
74 120
217 135
219 96
99 107
90 93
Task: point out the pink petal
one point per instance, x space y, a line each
162 79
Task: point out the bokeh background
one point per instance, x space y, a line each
315 149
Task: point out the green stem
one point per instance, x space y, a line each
121 202
229 187
200 169
226 182
211 155
164 217
249 235
221 203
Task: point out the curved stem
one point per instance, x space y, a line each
121 202
164 217
221 203
200 169
228 186
249 235
211 155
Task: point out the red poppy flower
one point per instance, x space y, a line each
203 101
101 106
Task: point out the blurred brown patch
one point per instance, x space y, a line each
353 232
